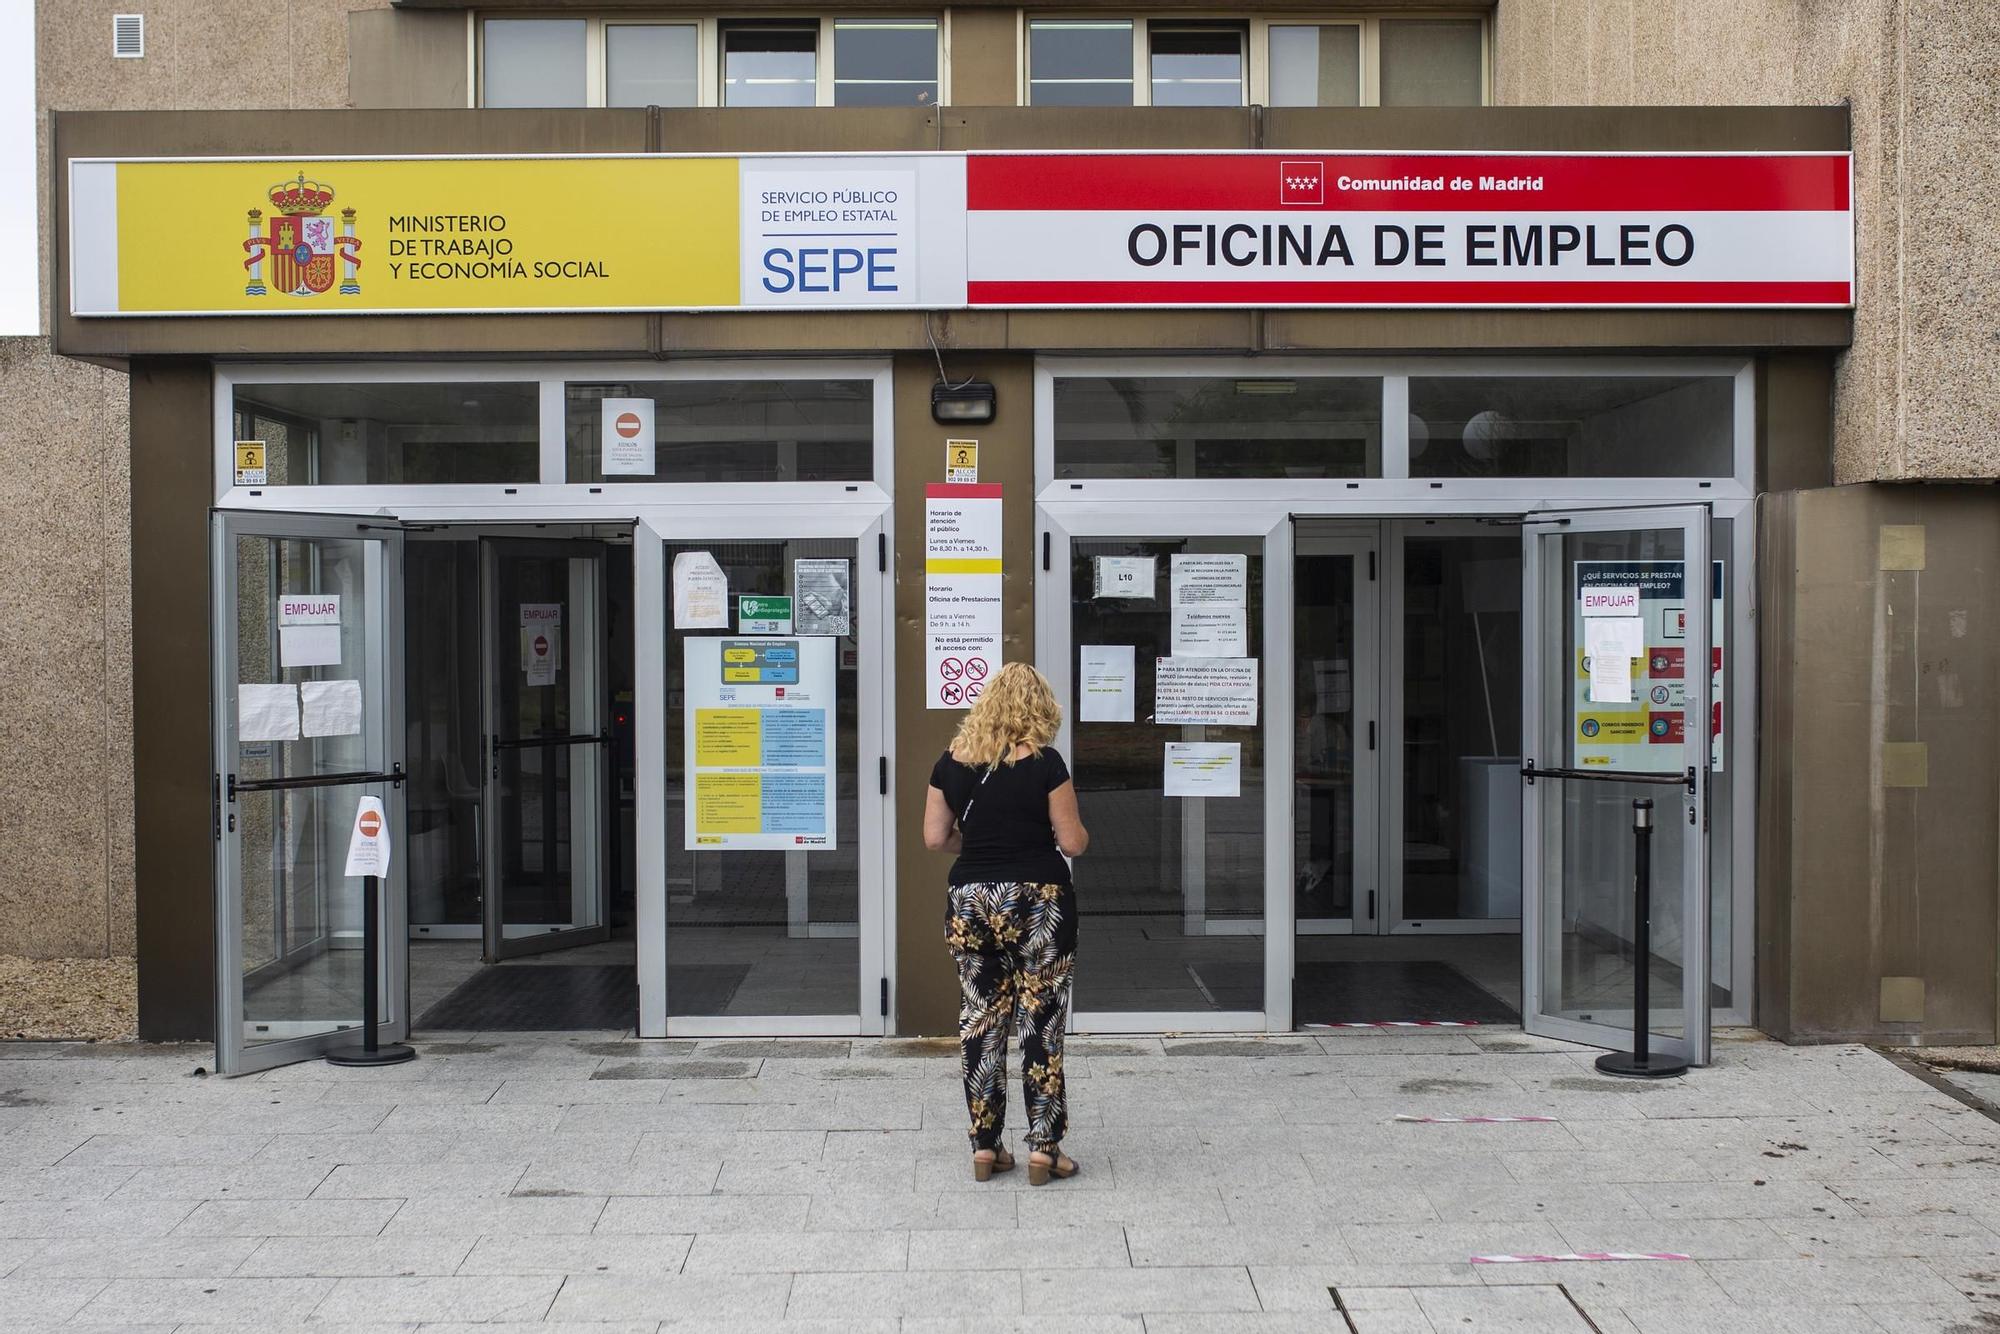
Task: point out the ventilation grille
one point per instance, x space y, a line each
128 36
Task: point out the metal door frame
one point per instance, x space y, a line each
383 646
1373 689
1682 800
866 524
590 731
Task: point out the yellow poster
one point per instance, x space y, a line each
728 738
727 804
293 237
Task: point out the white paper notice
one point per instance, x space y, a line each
822 591
1125 577
309 629
701 592
1210 604
267 713
626 437
1196 691
308 646
541 641
962 576
1610 599
1610 644
329 708
1204 769
368 848
1104 689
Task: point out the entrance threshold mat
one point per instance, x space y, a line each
548 997
1416 992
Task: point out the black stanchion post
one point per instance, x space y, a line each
369 1052
1640 1063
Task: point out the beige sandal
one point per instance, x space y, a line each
1053 1163
984 1168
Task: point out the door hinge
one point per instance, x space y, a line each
1371 905
1045 550
885 998
882 552
1371 734
216 794
884 773
1371 567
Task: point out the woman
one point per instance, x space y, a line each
1001 798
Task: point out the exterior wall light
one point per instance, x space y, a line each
970 402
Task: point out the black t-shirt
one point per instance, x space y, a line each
1009 837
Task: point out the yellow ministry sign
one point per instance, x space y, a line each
436 235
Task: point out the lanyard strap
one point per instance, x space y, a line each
962 815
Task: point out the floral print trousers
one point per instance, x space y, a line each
1015 944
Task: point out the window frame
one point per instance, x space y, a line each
708 48
1257 54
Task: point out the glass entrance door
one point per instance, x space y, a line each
307 719
1617 708
1336 733
547 746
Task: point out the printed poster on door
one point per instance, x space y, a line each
759 749
962 575
1642 727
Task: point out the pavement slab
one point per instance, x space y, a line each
1231 1185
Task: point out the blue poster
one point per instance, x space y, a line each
794 738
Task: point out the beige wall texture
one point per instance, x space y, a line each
1918 396
65 499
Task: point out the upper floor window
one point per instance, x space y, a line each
1361 61
624 62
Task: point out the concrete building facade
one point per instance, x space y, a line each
1868 899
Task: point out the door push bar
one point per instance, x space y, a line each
530 742
1687 779
394 777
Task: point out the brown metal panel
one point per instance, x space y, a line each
1794 421
173 799
927 985
1777 717
985 55
1560 129
409 58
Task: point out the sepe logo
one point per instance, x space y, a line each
1301 182
301 246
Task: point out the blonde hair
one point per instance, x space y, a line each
1016 708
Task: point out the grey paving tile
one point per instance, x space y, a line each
1608 1284
1253 1322
1182 1247
92 1218
1086 1246
797 1252
355 1257
80 1182
354 1181
725 1325
287 1218
1452 1242
1480 1203
17 1251
216 1181
575 1092
1023 1324
1775 1199
985 1293
662 1176
699 1297
44 1302
130 1257
448 1216
529 1253
1831 1282
225 1301
1184 1206
1921 1235
491 1118
1811 1318
1306 1287
166 1150
688 1215
478 1300
1137 1291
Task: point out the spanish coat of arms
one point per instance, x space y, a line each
302 246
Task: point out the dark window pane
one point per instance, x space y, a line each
1189 426
1197 67
651 65
1431 62
533 63
1576 426
1080 63
885 62
1316 66
769 67
395 434
736 430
